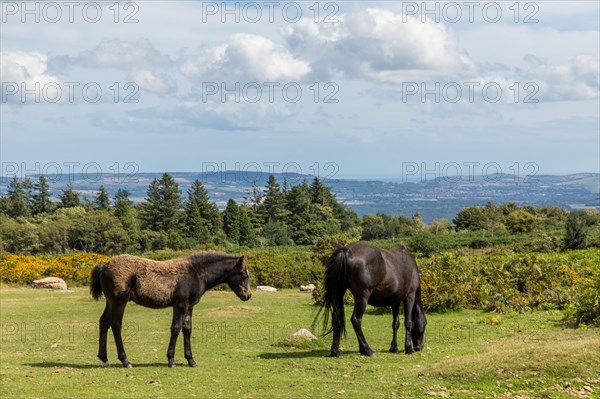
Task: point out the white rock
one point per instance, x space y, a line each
50 282
265 288
303 333
307 288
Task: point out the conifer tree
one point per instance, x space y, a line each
321 194
231 221
255 198
69 197
247 232
162 209
28 190
273 207
197 210
102 199
122 195
41 198
17 199
300 213
417 221
123 210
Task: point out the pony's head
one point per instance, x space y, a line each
238 280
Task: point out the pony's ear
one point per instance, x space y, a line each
241 263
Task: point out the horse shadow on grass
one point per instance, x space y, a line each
295 355
90 366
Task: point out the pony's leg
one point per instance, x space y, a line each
179 312
116 323
409 302
187 334
395 326
360 305
104 326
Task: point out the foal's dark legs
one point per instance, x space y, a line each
104 326
187 333
179 312
409 301
395 326
116 323
360 305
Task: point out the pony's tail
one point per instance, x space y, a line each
419 321
417 307
334 290
95 286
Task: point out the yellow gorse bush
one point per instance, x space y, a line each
501 282
24 269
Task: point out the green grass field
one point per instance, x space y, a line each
49 345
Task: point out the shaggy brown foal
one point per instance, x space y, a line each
178 283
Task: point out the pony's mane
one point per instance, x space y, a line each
205 259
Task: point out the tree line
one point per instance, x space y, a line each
532 228
32 222
273 215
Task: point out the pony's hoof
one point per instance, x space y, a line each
192 364
418 348
367 352
172 365
105 364
394 350
334 354
128 365
409 351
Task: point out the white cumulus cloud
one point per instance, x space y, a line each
140 60
579 79
29 71
380 44
246 57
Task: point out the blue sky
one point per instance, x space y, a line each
374 87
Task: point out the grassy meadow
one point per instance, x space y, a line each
49 345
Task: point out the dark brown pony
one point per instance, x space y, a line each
177 283
376 277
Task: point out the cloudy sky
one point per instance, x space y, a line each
351 89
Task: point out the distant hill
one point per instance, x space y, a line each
433 199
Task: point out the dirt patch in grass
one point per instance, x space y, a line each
233 311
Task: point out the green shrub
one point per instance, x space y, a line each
478 243
325 246
283 267
317 295
521 221
586 301
423 243
511 281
